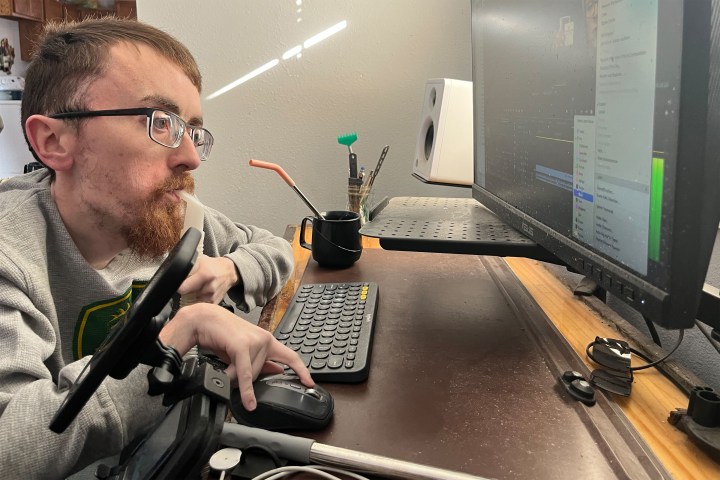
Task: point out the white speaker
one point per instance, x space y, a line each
444 150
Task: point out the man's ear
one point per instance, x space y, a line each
53 141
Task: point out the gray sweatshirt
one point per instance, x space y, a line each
55 310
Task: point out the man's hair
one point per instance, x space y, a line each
71 55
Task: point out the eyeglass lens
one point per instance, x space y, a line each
203 141
168 129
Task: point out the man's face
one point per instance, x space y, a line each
126 181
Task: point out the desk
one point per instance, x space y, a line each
463 375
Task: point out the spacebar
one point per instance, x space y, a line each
290 317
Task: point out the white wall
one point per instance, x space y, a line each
369 77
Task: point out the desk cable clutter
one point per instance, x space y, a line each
700 421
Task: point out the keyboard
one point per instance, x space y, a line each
331 326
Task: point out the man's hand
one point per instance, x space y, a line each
210 279
249 350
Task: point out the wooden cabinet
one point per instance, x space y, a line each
57 10
54 10
125 8
30 23
27 9
72 12
29 32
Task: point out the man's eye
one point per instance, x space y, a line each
161 123
198 137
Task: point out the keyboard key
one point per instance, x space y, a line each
290 317
335 361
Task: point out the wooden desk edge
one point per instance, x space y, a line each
580 320
272 312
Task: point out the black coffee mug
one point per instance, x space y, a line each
335 240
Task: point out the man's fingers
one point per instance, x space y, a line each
191 284
292 359
230 372
244 370
271 368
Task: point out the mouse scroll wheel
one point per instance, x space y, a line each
313 393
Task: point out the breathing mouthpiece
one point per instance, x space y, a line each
194 214
194 217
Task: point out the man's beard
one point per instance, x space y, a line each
160 222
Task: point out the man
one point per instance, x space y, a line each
112 109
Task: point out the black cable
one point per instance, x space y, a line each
263 450
653 331
636 352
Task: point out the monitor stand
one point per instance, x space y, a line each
463 225
448 225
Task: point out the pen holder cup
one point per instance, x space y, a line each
359 199
335 240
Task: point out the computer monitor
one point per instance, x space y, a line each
596 134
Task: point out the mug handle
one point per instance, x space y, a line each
303 243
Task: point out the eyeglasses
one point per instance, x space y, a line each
165 128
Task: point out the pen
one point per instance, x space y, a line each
374 173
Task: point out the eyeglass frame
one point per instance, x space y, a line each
148 112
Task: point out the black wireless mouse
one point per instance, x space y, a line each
283 403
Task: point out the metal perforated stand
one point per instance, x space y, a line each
448 225
463 225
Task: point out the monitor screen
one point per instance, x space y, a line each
592 137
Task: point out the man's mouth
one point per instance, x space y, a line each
172 196
173 185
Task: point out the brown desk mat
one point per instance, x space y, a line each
463 376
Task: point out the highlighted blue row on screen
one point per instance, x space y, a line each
565 180
584 195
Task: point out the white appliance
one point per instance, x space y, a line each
14 153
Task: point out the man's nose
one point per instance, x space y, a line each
186 154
